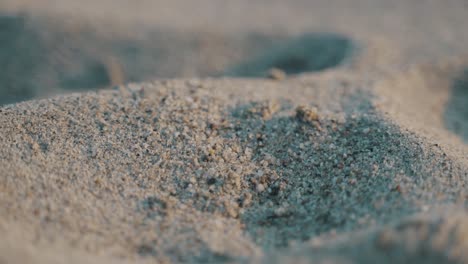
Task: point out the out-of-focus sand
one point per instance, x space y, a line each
358 155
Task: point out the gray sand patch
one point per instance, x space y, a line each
20 54
308 53
44 56
456 109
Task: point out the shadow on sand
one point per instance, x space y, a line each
309 53
456 109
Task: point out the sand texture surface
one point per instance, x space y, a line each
234 131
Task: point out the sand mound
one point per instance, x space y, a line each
216 170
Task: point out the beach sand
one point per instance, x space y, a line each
234 132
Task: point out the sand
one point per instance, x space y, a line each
177 139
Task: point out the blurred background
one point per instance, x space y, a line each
50 47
